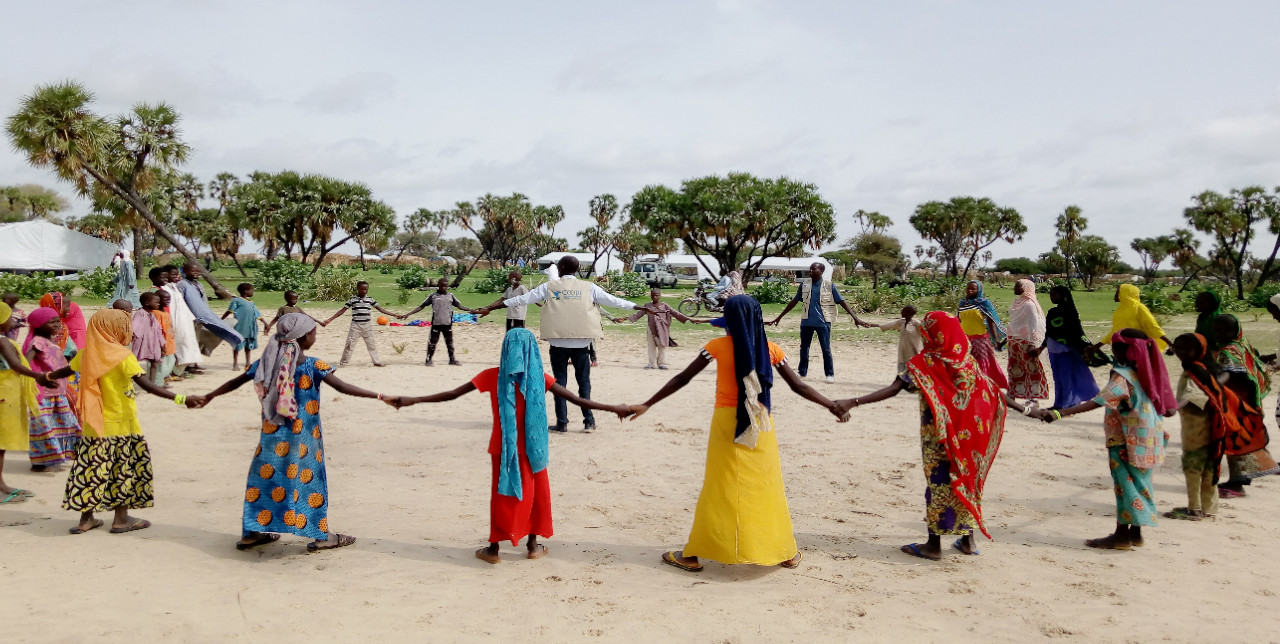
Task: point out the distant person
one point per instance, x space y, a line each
215 330
73 324
187 362
54 429
730 284
1133 314
290 306
1250 378
361 307
442 304
168 359
515 314
570 321
658 329
148 336
1069 350
910 342
126 280
247 319
1027 326
19 318
987 334
1208 306
819 313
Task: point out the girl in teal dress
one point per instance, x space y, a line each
288 488
247 319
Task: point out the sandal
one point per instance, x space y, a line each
342 542
13 497
97 523
670 557
262 539
140 524
1107 543
794 562
957 545
913 549
1185 514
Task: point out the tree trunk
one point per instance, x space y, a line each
463 273
137 254
360 248
236 259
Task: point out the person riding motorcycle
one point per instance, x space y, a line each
728 286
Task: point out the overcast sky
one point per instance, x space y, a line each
1126 109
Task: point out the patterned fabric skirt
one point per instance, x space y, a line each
944 513
1073 382
984 352
1134 503
1243 469
512 519
109 473
288 489
1026 374
55 430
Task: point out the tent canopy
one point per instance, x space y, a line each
42 246
607 262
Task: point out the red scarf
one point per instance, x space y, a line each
964 401
1231 427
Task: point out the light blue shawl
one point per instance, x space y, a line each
995 328
521 367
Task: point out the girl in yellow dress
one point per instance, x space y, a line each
17 399
742 514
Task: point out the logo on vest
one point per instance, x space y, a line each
566 294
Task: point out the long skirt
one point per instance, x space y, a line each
1243 469
55 430
944 513
742 514
109 473
1134 503
1026 374
985 353
288 489
512 519
14 411
1073 382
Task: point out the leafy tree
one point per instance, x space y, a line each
1054 262
1070 227
55 129
877 253
736 217
599 239
377 239
1152 251
101 225
1230 221
1094 257
1018 266
872 222
422 232
228 236
1185 251
504 226
965 226
29 202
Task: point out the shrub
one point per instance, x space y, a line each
98 283
773 291
1262 295
30 287
386 269
334 282
414 278
402 295
252 264
493 281
627 284
1154 297
283 275
852 280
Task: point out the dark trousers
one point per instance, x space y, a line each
514 324
824 340
436 331
560 359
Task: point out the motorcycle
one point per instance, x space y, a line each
703 298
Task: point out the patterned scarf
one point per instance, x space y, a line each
106 345
1229 431
752 368
1148 366
964 402
1026 318
980 302
37 319
1241 354
276 375
73 325
520 368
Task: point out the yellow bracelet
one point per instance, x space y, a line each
180 399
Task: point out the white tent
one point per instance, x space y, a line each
797 265
688 261
607 262
42 246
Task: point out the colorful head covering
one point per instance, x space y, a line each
27 386
6 312
1133 314
520 369
37 319
1148 365
965 402
73 325
735 285
106 345
1229 431
276 374
995 328
1240 354
752 368
1204 321
1026 317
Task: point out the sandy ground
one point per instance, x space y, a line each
413 486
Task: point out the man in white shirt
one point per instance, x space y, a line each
570 322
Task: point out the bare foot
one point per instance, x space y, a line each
539 551
484 554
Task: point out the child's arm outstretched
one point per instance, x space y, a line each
143 382
337 315
11 356
444 396
227 387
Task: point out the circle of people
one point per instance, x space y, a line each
68 396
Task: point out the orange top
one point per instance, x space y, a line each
166 325
721 350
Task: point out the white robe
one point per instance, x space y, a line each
184 330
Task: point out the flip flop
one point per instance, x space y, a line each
794 562
262 539
913 549
1099 544
342 542
669 557
140 524
1183 513
956 545
23 493
14 497
539 553
97 523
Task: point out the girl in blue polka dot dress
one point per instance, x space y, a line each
288 490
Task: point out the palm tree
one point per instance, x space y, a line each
124 155
1071 225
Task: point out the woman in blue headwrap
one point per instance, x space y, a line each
742 514
520 502
981 322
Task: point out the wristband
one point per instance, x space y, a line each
180 400
1026 411
1057 415
379 396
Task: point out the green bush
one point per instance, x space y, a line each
98 283
852 280
283 275
402 295
29 287
334 283
252 264
415 277
774 291
1154 297
494 281
386 269
627 284
1262 295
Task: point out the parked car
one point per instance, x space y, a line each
656 274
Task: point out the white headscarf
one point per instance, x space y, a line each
1026 317
274 380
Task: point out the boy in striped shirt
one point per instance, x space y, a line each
361 307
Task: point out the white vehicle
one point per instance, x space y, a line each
655 274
